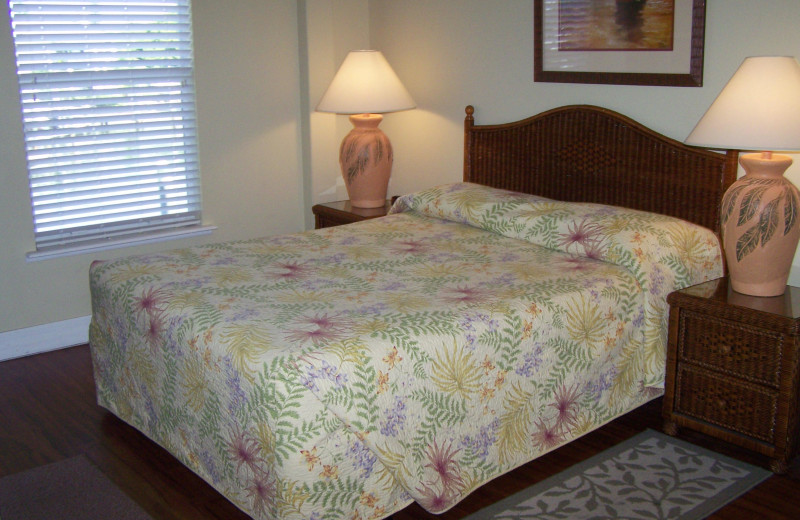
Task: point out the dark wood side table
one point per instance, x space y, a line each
331 214
732 368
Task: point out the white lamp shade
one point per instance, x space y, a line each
365 84
759 109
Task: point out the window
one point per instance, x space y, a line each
108 111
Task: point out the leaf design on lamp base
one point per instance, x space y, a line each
760 226
358 154
753 204
366 160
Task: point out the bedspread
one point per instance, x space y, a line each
343 372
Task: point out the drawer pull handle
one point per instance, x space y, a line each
722 403
725 349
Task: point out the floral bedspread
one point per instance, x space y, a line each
343 372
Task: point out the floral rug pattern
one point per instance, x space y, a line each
650 476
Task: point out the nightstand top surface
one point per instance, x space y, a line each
345 206
786 305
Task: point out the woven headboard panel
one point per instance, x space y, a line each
589 154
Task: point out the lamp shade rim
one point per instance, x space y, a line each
742 147
353 112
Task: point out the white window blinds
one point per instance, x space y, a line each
108 110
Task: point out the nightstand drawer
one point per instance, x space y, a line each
740 350
716 399
325 221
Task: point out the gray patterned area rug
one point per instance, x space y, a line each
649 476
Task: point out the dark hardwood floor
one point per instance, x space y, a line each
48 413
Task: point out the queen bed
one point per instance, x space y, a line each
348 371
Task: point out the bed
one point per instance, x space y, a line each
346 372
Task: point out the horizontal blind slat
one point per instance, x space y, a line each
166 129
61 195
85 79
113 203
112 169
49 241
133 208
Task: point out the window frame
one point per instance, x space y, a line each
126 99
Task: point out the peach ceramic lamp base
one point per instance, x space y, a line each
366 160
761 225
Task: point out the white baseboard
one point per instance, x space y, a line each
44 338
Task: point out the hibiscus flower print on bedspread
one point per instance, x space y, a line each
345 371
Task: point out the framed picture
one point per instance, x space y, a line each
622 42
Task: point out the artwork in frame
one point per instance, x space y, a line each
622 42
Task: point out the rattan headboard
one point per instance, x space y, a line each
589 154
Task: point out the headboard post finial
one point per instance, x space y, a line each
469 121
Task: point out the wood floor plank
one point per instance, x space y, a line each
48 413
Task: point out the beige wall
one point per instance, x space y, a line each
266 156
246 62
332 29
451 54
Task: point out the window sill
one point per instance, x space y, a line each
35 256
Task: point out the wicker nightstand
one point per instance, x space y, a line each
341 212
732 368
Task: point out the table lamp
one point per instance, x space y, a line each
366 86
759 109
